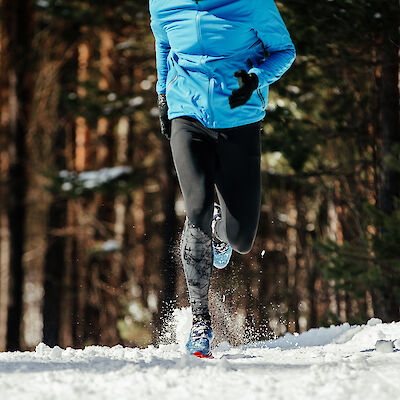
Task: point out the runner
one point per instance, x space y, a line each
215 61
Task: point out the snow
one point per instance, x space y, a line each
93 179
384 346
339 362
110 245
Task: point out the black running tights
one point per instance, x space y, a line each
227 160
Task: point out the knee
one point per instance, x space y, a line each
200 217
196 215
241 243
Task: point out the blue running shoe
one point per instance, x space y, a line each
222 251
200 339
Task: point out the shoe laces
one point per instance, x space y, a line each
219 246
217 213
216 217
199 330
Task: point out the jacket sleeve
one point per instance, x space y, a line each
272 31
162 50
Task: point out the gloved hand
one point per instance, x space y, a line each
165 123
247 84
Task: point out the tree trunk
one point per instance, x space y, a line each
18 30
54 265
54 270
312 295
56 291
390 178
389 113
169 262
301 247
4 276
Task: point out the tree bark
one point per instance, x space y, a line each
54 267
18 30
169 262
389 113
390 178
57 290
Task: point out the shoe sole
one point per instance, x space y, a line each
201 355
224 264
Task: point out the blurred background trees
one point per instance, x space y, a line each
90 210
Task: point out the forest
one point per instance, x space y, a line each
90 208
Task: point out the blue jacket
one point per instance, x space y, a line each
199 46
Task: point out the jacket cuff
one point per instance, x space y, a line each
274 67
260 74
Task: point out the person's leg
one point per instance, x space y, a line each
197 260
193 152
194 158
238 183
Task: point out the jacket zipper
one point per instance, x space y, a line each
210 97
199 38
211 80
261 97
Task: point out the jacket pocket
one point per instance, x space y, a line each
172 81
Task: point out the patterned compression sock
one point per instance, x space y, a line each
197 259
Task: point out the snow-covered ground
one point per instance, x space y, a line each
341 362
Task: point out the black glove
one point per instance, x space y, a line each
248 83
165 123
